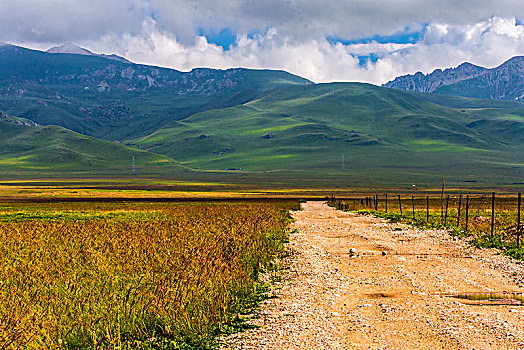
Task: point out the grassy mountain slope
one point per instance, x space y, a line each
116 100
458 102
495 119
53 149
378 130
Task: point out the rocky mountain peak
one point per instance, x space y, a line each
430 82
71 49
504 82
512 62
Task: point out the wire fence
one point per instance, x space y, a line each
495 218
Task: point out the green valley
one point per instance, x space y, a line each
55 151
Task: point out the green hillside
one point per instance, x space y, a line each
115 100
54 150
382 133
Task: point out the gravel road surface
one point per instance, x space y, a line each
392 292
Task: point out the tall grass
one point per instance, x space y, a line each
156 276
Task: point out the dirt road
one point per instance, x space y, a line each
392 293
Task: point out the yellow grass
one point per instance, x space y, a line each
131 275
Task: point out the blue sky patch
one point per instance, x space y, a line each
153 16
364 59
254 33
404 37
224 38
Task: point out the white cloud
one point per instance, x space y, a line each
486 43
293 33
314 59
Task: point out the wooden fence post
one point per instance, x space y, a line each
413 204
400 204
467 212
492 213
427 209
458 213
446 213
442 202
518 219
386 202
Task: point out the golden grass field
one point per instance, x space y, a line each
132 275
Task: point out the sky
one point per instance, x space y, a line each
322 40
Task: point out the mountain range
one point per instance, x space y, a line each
115 100
505 82
69 111
77 50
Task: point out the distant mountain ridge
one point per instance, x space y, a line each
505 82
116 100
77 50
430 82
78 66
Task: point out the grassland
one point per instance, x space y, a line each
132 275
232 186
103 271
386 136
